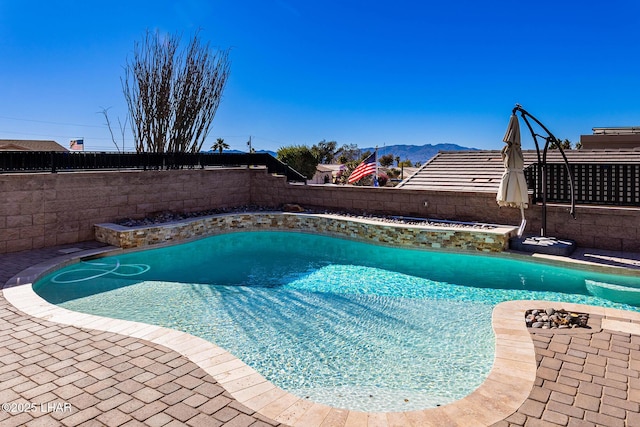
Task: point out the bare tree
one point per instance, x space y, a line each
105 113
173 95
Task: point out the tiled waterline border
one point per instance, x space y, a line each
494 238
505 389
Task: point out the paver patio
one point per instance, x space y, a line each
78 376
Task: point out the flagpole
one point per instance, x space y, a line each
375 177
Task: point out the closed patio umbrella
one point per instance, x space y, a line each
513 186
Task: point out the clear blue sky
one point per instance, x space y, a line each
363 72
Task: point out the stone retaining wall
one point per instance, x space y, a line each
45 209
412 236
40 210
602 227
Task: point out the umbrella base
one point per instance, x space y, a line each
542 245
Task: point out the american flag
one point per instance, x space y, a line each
77 144
367 167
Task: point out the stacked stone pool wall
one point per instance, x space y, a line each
454 237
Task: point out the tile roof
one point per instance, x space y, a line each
481 170
29 145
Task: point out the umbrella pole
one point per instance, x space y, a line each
523 223
542 165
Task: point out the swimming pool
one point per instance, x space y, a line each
344 323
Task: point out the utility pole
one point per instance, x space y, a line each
249 144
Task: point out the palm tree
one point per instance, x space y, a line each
220 145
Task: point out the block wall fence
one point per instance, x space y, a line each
39 210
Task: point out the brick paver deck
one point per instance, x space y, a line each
583 379
76 376
103 378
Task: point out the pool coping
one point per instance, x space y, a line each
507 386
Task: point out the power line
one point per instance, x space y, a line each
53 136
105 127
53 123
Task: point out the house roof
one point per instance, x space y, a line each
626 130
481 171
329 167
29 145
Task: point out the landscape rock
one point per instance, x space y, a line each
555 319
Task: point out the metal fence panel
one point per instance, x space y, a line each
45 161
600 184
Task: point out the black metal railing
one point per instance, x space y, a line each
54 161
599 184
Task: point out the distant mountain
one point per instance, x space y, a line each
416 153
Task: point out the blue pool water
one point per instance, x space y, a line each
344 323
